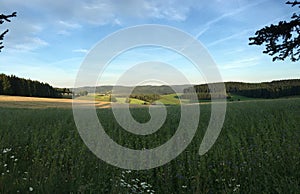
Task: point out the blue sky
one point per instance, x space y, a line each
49 39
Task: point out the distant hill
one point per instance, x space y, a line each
147 89
273 89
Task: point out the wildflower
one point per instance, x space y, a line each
30 189
5 150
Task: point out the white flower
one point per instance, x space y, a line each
30 189
6 150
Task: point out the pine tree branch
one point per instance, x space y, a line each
6 17
281 40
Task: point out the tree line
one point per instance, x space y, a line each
274 89
146 97
12 85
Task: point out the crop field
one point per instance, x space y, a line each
34 102
258 151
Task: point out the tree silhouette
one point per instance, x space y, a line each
281 40
4 18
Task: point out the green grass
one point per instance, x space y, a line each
136 101
169 99
235 97
102 98
256 152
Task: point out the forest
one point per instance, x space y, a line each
274 89
12 85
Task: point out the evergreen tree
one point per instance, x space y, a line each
4 18
282 40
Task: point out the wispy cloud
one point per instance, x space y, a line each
236 35
80 51
69 25
30 44
241 63
225 15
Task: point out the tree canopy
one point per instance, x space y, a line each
5 18
12 85
274 89
282 40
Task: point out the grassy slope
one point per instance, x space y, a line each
256 152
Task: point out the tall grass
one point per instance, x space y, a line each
258 151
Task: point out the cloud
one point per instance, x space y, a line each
242 63
30 44
69 25
80 51
225 15
65 28
236 35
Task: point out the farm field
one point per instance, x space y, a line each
34 102
258 151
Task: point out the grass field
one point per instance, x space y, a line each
258 151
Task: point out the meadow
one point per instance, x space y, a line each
258 151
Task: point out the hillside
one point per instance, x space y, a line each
147 89
273 89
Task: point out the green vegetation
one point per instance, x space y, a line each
12 85
274 89
281 40
150 98
235 97
136 101
169 99
256 152
104 98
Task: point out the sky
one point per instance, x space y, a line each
49 40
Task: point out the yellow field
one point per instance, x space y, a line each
33 102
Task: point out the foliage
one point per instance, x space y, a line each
83 93
146 97
112 98
256 152
7 19
64 91
12 85
274 89
160 90
282 39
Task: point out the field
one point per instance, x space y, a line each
33 102
258 151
